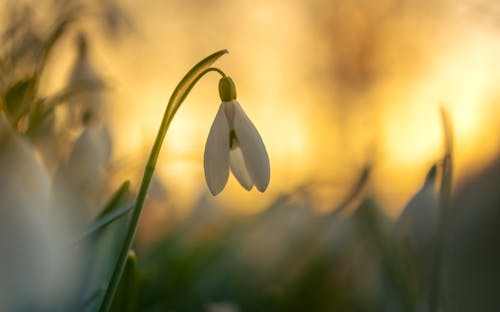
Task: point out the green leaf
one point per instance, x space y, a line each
18 99
111 212
102 222
102 242
126 294
444 211
447 173
116 199
57 33
360 185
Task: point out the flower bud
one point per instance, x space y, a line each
227 89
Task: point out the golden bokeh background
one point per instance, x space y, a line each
350 98
331 85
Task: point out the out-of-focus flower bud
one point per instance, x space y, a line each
86 79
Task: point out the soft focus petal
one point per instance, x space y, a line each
254 151
37 273
239 169
217 154
89 158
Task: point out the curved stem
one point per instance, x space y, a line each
170 113
215 69
179 94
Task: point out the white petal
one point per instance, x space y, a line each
254 151
239 168
217 154
89 158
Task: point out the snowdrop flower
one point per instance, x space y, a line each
234 143
81 181
83 75
90 156
37 274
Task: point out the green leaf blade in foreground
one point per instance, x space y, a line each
444 211
102 222
126 294
117 198
114 209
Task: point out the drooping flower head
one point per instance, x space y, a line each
234 143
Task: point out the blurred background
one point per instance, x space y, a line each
345 94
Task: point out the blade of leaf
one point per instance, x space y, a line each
18 99
444 211
445 192
116 199
362 181
102 222
56 34
126 294
111 212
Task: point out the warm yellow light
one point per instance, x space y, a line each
276 52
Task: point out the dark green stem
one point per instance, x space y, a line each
176 99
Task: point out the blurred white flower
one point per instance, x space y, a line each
36 272
90 157
81 182
234 142
86 79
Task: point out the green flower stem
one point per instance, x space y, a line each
176 99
